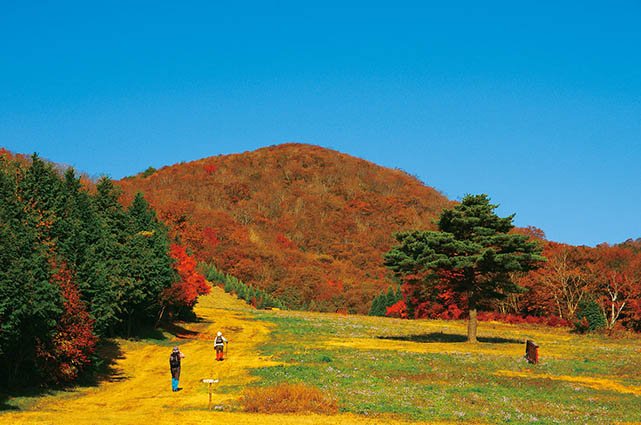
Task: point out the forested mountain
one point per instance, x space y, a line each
307 224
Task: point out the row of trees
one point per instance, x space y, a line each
75 265
232 285
478 261
592 288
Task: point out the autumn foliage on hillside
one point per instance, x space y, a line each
308 225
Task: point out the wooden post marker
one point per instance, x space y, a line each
531 352
210 382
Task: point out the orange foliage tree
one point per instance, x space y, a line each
191 283
565 278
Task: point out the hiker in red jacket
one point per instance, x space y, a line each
219 345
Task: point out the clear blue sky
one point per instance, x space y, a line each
537 104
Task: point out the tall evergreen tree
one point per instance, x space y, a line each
108 275
72 229
472 251
29 302
148 263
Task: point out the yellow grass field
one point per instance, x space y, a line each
141 391
421 370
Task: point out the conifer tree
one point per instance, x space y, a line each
107 274
377 308
29 302
472 252
149 263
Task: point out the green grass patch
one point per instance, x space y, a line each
454 385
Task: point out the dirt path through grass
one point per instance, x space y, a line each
140 391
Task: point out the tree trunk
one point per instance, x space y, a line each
162 311
471 321
471 326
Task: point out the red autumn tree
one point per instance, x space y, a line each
211 236
210 168
398 310
191 283
284 242
69 350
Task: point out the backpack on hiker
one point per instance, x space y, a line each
174 360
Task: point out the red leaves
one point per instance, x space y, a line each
210 168
336 206
185 292
398 310
211 236
360 207
331 290
70 349
337 285
284 242
237 192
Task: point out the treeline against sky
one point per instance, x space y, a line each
75 266
310 226
587 288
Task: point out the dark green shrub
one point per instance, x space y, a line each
589 317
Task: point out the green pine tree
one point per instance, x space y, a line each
148 265
472 251
108 275
29 303
590 317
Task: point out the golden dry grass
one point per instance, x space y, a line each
611 384
144 394
288 398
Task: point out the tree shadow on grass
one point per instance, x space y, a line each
148 332
7 394
103 369
178 331
445 337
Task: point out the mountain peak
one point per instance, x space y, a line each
307 223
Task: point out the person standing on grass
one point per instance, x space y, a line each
219 346
174 365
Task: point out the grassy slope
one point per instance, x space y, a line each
417 370
424 370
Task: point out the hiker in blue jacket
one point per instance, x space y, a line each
174 365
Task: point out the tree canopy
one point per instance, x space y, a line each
472 254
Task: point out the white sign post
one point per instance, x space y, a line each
210 382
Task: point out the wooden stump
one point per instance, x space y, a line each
531 352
